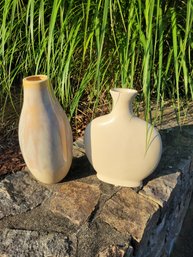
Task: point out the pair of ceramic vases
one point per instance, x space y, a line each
122 148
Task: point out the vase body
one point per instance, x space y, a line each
45 135
122 148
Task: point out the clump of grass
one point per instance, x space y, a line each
87 47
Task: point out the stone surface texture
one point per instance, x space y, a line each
84 217
19 193
75 201
33 243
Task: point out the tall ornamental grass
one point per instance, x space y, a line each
87 47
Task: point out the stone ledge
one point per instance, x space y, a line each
84 217
33 243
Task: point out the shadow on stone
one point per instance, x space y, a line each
177 145
81 168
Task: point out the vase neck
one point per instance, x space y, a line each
36 90
122 101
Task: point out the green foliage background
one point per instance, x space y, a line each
87 47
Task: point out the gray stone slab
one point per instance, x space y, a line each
160 189
98 237
20 193
117 251
22 243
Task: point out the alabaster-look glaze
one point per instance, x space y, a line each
45 135
122 148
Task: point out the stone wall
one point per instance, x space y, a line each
84 217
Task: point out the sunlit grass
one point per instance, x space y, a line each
87 47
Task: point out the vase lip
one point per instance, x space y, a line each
124 91
35 79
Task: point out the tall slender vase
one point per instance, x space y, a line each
45 135
122 148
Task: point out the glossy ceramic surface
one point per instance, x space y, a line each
122 148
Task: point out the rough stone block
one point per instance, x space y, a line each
20 193
129 213
22 243
75 201
117 251
159 189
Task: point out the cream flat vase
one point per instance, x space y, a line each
122 148
45 135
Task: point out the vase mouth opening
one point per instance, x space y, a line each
124 90
35 78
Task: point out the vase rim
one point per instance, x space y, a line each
35 78
124 90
